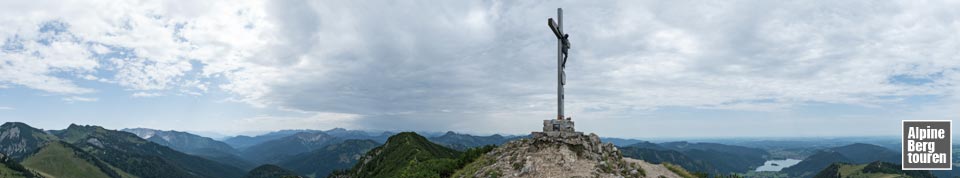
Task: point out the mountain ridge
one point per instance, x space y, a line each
856 153
181 141
140 157
462 142
332 157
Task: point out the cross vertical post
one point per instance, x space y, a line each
560 66
563 45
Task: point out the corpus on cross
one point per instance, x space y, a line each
563 45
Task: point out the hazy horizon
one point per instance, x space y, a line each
220 136
637 69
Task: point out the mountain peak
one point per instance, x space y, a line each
141 128
13 124
18 139
144 133
565 154
84 127
398 154
403 137
15 128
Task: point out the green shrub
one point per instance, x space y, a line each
679 171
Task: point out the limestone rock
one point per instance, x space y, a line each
557 154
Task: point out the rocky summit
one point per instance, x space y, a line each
558 153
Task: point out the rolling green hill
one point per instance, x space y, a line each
876 169
865 153
11 169
223 157
321 162
407 154
271 171
656 156
242 142
857 153
810 165
724 158
59 159
712 158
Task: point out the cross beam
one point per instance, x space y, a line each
563 45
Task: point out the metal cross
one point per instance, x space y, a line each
563 45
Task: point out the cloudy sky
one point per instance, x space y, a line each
637 69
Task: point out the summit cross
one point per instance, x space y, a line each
563 46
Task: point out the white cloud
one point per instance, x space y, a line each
34 61
146 95
681 54
6 108
90 77
142 44
74 99
488 58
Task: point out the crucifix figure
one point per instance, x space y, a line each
563 45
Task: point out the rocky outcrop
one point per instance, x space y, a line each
556 154
17 140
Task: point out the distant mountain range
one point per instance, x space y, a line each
857 153
270 148
242 142
194 145
321 162
92 151
657 156
465 141
278 149
620 141
182 141
710 158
